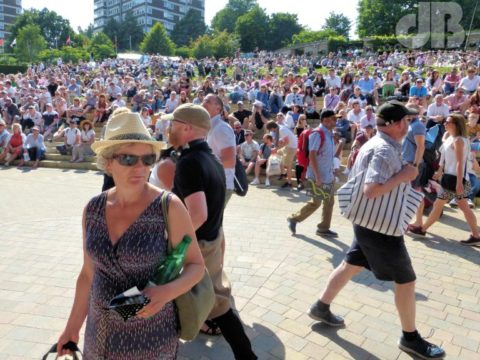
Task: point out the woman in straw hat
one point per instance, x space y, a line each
124 241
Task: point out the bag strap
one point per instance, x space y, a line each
68 346
164 201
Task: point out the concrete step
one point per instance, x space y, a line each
60 165
55 156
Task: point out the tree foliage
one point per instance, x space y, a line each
282 26
101 46
338 23
125 34
253 29
188 28
88 32
29 43
220 45
54 28
226 18
307 36
156 41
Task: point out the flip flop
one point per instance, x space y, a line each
212 328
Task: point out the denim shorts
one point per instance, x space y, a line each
386 256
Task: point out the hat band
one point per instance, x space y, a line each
132 136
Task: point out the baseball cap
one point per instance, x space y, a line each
392 111
195 115
326 113
240 102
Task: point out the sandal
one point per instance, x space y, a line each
212 328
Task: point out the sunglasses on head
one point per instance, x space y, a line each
132 160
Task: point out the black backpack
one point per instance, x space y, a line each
433 142
240 181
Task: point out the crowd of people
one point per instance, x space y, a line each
209 108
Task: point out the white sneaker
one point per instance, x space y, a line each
471 204
255 182
453 203
267 182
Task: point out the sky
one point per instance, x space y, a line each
311 13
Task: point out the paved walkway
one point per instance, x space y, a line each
275 276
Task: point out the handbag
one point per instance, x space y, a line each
195 305
388 214
69 346
274 165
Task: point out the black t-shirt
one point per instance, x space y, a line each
242 115
198 170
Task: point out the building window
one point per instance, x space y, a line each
18 2
169 5
149 21
18 11
149 9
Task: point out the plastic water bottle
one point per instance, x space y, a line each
26 157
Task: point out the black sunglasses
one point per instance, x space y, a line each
132 160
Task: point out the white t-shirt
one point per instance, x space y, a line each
247 149
470 84
434 110
355 118
71 135
365 121
286 132
221 136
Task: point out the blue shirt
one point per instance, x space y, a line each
324 157
366 86
415 91
409 146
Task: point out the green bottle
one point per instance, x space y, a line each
170 268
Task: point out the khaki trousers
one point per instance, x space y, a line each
213 257
310 207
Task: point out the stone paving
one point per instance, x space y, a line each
275 276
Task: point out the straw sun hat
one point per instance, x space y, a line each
125 128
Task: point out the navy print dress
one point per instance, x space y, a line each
131 262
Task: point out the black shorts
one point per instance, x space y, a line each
386 256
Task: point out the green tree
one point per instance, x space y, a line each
188 28
157 41
282 26
378 17
29 43
224 44
88 32
54 28
307 36
338 23
226 18
252 29
131 33
203 47
101 46
112 30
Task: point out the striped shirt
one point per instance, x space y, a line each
379 160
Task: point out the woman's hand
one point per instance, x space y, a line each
437 175
67 335
158 299
459 188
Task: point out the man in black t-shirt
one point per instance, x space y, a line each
242 114
200 183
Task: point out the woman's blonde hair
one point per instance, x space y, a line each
17 126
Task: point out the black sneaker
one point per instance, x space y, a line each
287 185
472 241
421 348
325 316
292 225
328 233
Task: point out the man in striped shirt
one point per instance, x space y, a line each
385 255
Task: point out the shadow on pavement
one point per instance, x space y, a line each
265 343
356 352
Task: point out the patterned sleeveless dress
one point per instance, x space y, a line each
131 262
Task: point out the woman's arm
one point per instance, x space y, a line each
80 304
179 225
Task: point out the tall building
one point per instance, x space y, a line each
9 10
147 12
